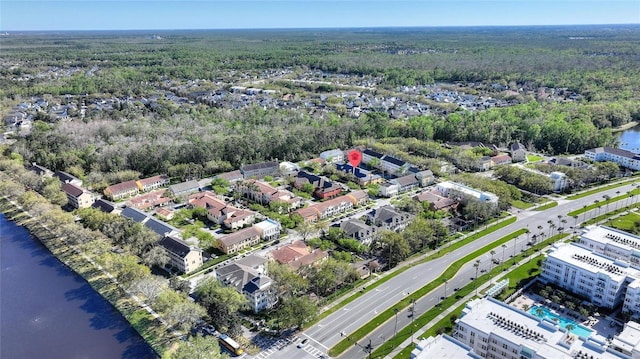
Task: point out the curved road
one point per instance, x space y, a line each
326 333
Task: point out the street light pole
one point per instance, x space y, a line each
366 348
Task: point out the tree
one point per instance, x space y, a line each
128 270
156 255
185 314
306 229
296 311
286 281
222 303
395 246
179 285
150 287
199 347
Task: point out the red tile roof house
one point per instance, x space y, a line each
221 213
151 183
122 190
77 196
500 160
437 201
297 255
151 199
263 193
322 188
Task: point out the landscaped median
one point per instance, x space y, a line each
389 313
601 189
546 206
518 274
598 204
440 253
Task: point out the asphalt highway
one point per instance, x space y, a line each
326 333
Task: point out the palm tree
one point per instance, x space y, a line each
570 327
539 312
617 195
607 198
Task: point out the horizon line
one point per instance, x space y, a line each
7 31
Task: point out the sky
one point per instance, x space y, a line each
52 15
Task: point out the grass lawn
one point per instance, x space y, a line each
534 158
626 222
521 204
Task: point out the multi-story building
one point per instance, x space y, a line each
77 196
248 276
358 230
260 170
269 229
442 346
612 243
447 188
389 218
263 193
151 183
601 280
494 330
333 206
182 256
622 157
333 156
239 240
220 213
122 190
322 187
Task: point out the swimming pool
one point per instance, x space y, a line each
578 329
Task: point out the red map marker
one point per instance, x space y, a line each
355 157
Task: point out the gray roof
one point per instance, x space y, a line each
236 275
256 284
104 205
175 245
189 186
394 160
253 261
135 214
352 226
257 166
159 226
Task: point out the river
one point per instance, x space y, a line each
48 311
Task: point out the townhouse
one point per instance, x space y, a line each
77 197
237 241
182 256
332 207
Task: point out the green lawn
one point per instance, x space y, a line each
521 204
626 222
605 203
534 158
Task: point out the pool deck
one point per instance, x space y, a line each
600 325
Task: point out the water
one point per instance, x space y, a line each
630 139
48 311
578 329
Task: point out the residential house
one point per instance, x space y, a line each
297 255
564 161
151 183
239 240
260 170
388 189
425 177
165 213
437 201
364 177
322 187
358 230
518 152
390 164
389 218
122 190
182 256
232 176
184 188
501 159
149 200
40 171
248 276
622 157
333 156
269 229
332 207
219 212
484 163
372 158
104 205
77 196
264 193
64 177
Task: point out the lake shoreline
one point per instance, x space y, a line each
143 323
625 127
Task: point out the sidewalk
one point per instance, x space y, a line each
448 311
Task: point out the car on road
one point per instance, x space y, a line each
303 342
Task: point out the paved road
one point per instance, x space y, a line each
326 333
